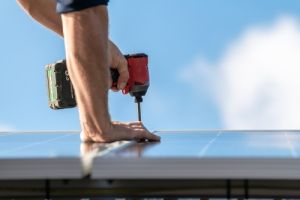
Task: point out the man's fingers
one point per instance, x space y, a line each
136 124
122 131
119 62
152 137
124 74
143 134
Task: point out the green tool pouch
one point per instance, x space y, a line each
60 90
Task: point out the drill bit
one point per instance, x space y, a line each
138 100
139 111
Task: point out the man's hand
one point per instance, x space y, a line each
118 61
122 131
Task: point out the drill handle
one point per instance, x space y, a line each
114 76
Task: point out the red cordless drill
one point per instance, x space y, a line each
61 93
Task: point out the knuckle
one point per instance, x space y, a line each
124 74
124 62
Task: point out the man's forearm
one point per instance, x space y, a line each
86 49
86 40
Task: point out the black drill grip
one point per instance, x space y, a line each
114 76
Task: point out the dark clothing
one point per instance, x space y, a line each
64 6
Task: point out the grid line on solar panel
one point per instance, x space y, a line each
251 143
205 148
29 145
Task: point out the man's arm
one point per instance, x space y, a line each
44 12
87 58
86 41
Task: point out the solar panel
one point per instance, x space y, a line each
206 163
180 154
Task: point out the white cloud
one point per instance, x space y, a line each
256 83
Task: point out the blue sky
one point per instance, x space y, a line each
177 35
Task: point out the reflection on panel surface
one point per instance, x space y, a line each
39 145
189 144
282 144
